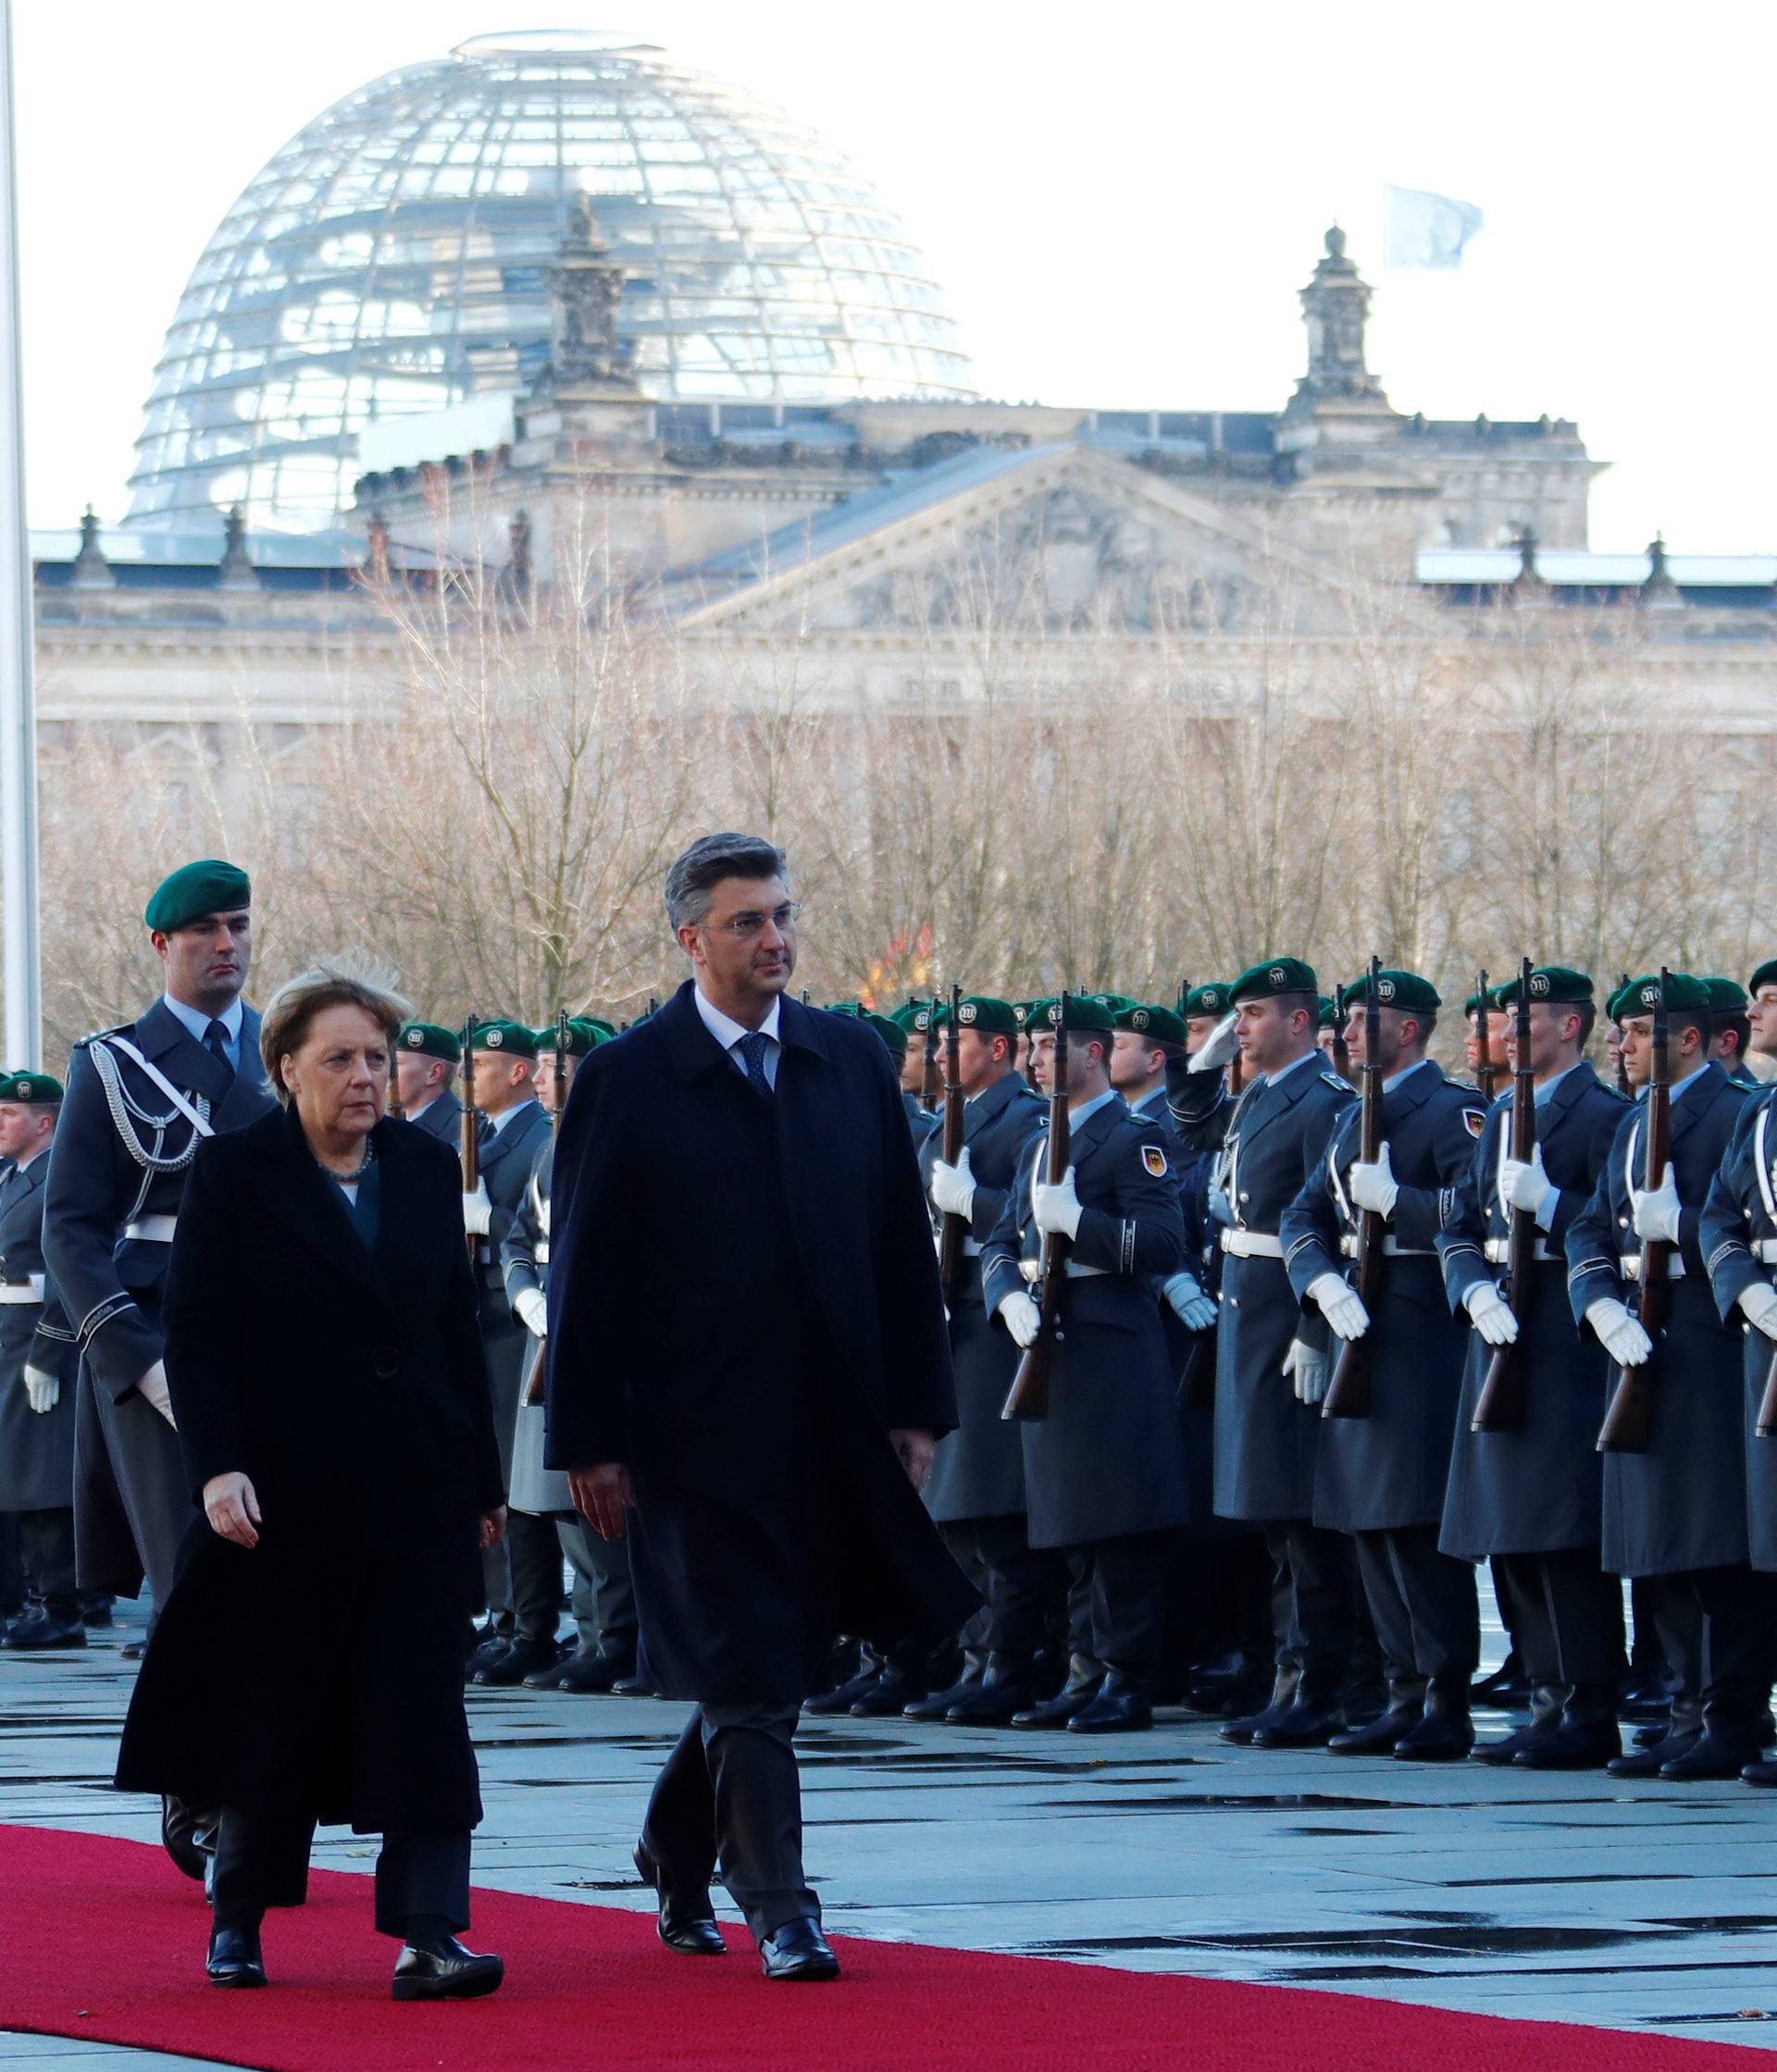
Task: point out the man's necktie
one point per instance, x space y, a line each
215 1041
753 1055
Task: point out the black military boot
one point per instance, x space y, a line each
936 1704
1085 1678
1240 1731
1445 1733
1649 1762
1124 1705
528 1654
825 1704
1008 1688
1544 1719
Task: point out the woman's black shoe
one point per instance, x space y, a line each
441 1968
234 1958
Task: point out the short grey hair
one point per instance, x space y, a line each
350 979
708 861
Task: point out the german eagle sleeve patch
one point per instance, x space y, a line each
1154 1159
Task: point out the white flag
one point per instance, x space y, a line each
1422 229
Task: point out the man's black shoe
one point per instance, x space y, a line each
888 1697
1442 1736
1713 1754
441 1968
1380 1736
1303 1726
996 1701
485 1654
132 1651
1123 1706
632 1687
936 1704
1068 1701
687 1920
1647 1762
1503 1753
1574 1744
45 1632
1762 1773
96 1615
1506 1689
1654 1731
188 1835
826 1705
590 1673
550 1677
798 1952
234 1958
1241 1731
524 1658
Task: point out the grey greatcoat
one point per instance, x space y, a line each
1738 1234
116 1177
1109 1459
508 1158
1540 1487
979 1469
1265 1440
1672 1508
524 1260
1389 1469
36 1449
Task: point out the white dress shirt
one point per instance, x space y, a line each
727 1032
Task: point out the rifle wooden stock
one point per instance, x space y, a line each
1483 1067
1027 1399
1622 1070
1341 1048
1501 1404
929 1085
1629 1422
1350 1392
955 1228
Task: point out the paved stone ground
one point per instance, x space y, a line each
1571 1898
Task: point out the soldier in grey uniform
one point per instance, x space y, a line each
605 1598
1669 1513
139 1099
514 1131
1104 1472
427 1058
976 1491
1382 1478
1529 1498
38 1362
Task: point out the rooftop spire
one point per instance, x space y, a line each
1335 304
585 287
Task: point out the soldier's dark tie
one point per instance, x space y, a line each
753 1055
215 1041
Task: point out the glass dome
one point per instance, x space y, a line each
391 259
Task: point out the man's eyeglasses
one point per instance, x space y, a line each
743 928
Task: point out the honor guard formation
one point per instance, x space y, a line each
1269 1336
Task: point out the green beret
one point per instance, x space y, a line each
1683 993
1021 1014
1085 1016
1405 991
907 1015
584 1034
1215 999
193 890
1113 1003
430 1041
887 1027
1160 1024
1727 996
1493 997
1329 1016
1618 1003
981 1012
498 1034
1555 983
31 1089
1765 976
1276 974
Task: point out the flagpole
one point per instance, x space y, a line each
22 966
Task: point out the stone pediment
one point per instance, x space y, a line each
1062 540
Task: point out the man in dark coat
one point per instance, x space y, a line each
748 1369
1381 1478
140 1100
427 1058
38 1363
1529 1497
1669 1513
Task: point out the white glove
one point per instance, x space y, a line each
45 1390
952 1187
1490 1314
1193 1308
478 1211
1528 1188
1757 1304
1058 1208
1308 1372
1620 1333
1024 1319
1657 1212
531 1309
1340 1305
1216 1048
152 1388
1221 1208
1375 1187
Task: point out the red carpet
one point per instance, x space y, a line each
103 1939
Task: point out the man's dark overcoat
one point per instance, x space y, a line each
349 1385
743 1302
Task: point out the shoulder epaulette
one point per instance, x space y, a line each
1332 1079
98 1035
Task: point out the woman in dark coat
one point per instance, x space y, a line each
330 1397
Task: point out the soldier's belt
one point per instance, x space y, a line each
1391 1249
27 1290
1631 1265
152 1229
1032 1270
540 1252
1252 1243
1498 1250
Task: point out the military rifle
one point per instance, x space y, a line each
532 1392
560 1073
1028 1397
1765 1425
928 1081
1501 1404
1237 1073
1622 1070
1349 1392
955 1228
1629 1422
396 1107
1483 1072
470 1148
1341 1048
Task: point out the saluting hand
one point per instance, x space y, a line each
602 1495
232 1508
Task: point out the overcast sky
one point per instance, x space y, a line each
1121 200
